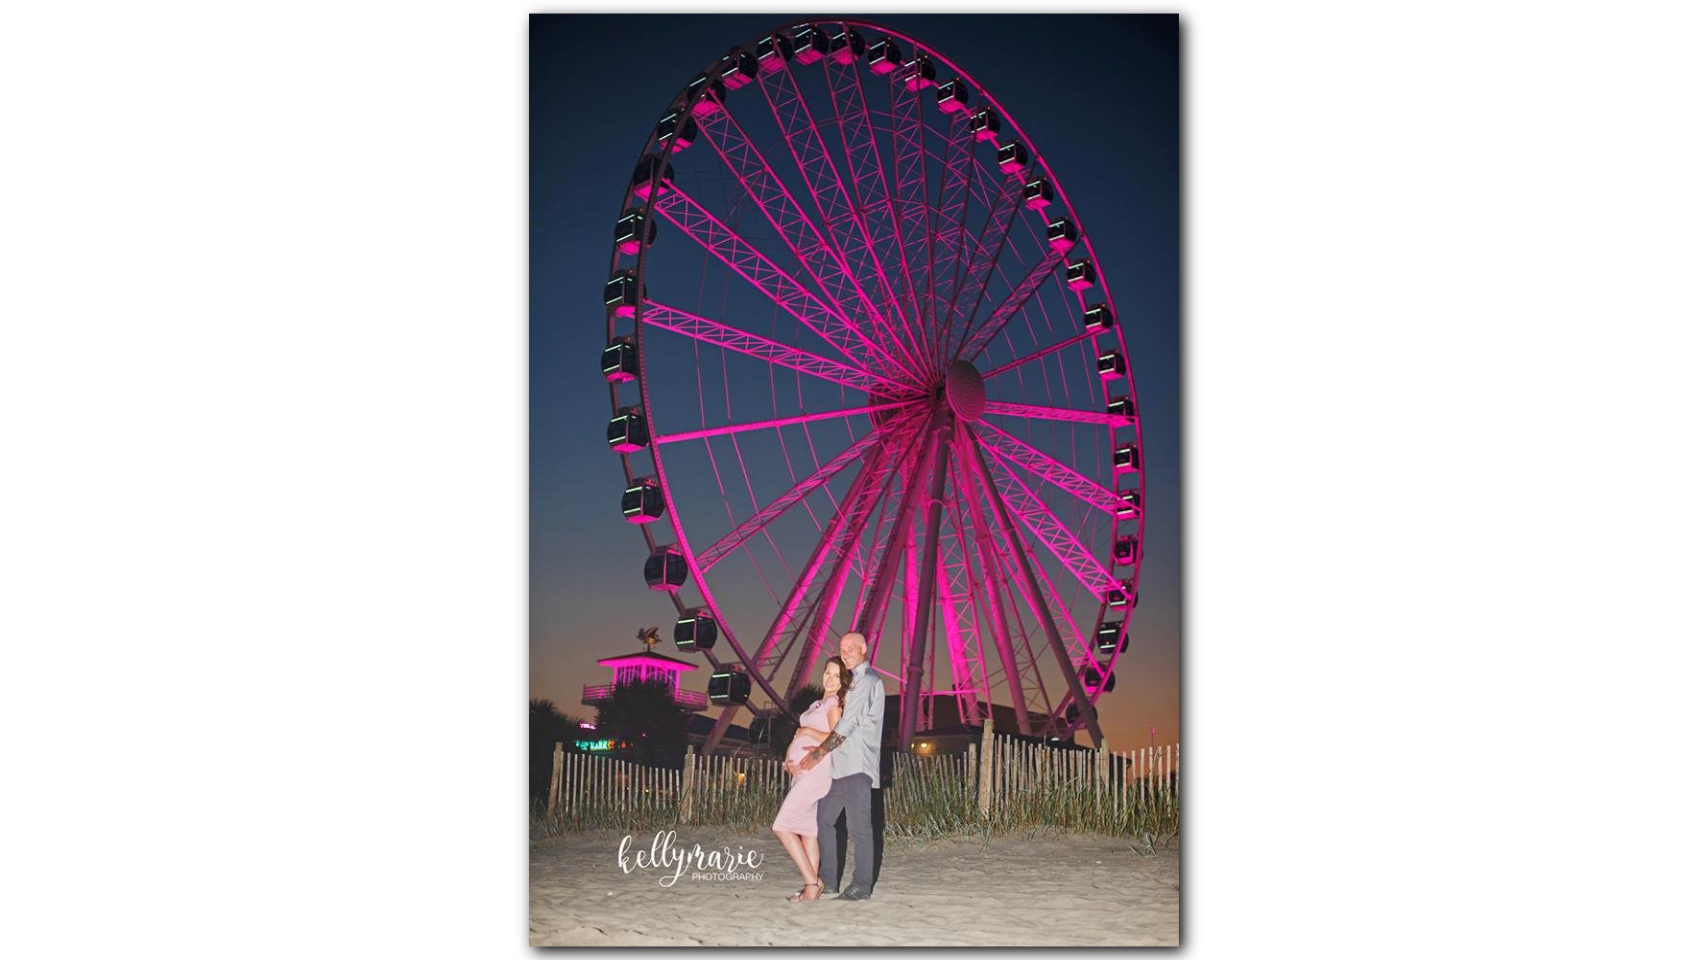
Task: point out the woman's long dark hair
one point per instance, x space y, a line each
846 677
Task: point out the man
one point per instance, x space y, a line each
852 749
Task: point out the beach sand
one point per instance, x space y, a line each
1042 891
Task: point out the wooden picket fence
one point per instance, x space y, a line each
933 796
1024 786
1000 785
589 791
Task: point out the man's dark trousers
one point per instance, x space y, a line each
852 793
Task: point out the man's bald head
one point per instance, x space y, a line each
853 649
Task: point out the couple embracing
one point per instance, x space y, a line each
834 762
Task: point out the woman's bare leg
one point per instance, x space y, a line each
798 853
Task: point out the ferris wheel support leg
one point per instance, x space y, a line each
871 619
869 504
828 599
719 728
1030 582
990 558
833 537
927 585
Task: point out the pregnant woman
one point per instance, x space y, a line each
797 821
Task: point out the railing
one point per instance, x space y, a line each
593 694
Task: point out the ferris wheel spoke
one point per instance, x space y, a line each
782 289
705 330
1040 353
871 188
1029 582
1021 454
908 159
1059 608
845 232
949 226
1018 502
1032 411
1017 298
1029 681
1023 504
989 246
778 422
814 481
1008 337
1075 315
1085 357
1070 309
988 183
785 215
779 207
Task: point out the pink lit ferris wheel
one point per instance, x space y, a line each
865 372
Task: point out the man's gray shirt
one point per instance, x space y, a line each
861 727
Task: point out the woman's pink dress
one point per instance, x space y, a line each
799 813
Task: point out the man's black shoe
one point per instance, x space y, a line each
855 893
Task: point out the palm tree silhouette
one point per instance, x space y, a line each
547 725
645 716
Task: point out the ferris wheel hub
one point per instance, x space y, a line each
964 386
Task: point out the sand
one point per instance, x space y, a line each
1044 891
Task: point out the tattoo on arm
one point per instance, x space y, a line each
828 744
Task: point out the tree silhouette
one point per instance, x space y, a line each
645 715
547 725
784 725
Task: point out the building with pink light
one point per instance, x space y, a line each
642 667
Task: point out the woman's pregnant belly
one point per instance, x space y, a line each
799 746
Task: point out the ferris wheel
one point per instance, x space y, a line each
865 373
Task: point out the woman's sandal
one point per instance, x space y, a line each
802 895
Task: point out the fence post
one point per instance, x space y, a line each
985 767
578 788
1102 762
553 793
575 782
685 805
